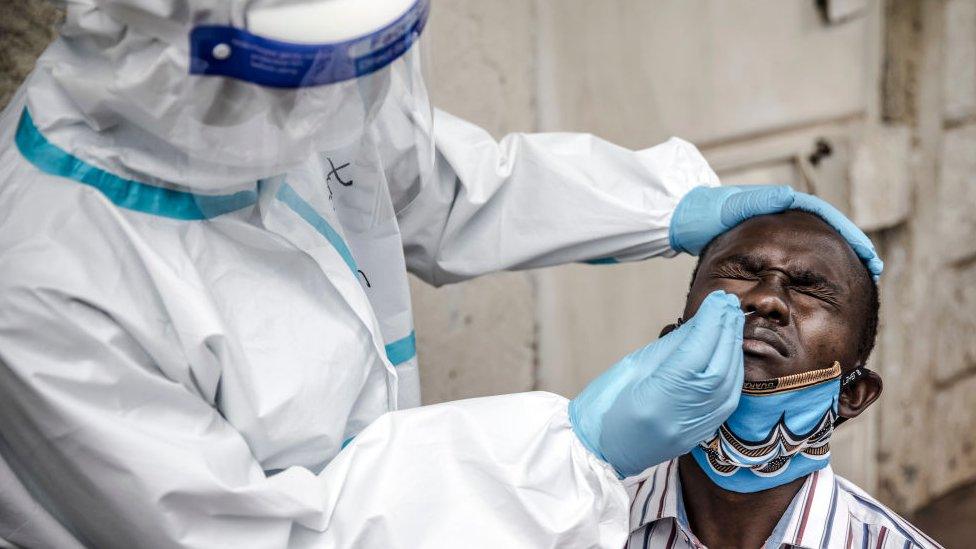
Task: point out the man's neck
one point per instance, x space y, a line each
720 518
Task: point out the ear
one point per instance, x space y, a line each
856 397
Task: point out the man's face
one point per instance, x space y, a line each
805 284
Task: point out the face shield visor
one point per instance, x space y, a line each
295 98
207 93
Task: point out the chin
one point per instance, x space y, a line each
760 368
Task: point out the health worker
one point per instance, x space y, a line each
208 209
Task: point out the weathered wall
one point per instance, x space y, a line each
892 89
26 27
928 414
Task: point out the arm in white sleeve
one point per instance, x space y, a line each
534 200
501 471
125 457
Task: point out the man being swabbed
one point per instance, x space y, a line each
764 478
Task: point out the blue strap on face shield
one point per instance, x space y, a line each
219 50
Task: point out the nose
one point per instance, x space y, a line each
768 298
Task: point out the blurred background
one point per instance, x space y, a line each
868 103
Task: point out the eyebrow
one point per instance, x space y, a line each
800 276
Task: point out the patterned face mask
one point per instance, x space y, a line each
780 431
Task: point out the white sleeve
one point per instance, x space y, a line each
125 457
534 200
501 471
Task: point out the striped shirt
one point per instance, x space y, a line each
827 512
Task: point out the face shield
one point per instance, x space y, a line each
205 93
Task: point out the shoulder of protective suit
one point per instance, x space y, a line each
58 238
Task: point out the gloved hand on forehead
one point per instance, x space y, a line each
707 212
660 401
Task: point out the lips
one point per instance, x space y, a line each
761 340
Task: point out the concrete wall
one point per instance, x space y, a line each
26 27
928 415
889 85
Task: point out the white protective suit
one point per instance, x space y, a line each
187 343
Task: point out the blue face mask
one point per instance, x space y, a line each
780 432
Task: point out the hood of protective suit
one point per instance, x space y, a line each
207 95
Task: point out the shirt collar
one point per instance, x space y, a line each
658 497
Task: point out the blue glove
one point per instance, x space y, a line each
660 401
859 241
706 212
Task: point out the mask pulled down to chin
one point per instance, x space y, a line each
779 432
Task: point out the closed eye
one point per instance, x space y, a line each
804 282
733 271
815 285
819 291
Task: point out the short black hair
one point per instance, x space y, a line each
871 314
